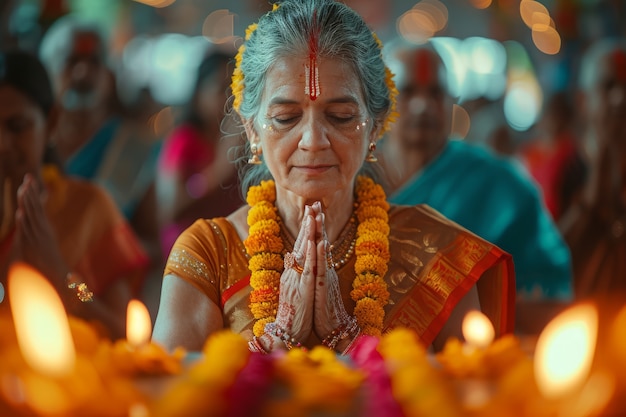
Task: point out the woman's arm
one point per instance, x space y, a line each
186 316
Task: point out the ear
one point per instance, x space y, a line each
251 133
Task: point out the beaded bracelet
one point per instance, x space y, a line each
255 346
352 342
75 283
276 330
340 333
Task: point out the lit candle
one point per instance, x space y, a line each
41 324
565 351
477 330
138 324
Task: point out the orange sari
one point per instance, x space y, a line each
94 239
434 263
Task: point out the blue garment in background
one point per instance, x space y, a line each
119 161
494 198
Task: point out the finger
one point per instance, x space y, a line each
310 264
301 238
322 264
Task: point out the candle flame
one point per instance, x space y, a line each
477 329
138 324
565 351
41 324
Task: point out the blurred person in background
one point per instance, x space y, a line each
195 178
69 229
595 227
553 158
95 138
489 195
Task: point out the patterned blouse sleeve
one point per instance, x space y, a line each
196 258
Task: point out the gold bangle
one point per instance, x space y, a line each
74 282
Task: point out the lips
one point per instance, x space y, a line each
317 168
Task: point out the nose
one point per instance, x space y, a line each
314 135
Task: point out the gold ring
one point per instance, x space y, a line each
291 262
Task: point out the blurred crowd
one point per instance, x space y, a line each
556 192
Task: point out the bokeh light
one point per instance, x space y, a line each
219 26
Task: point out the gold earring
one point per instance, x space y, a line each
256 151
370 156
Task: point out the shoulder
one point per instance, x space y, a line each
217 232
495 168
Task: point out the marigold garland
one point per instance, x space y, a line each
264 246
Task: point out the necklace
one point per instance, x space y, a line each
341 251
265 245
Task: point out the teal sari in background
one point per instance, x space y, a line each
498 201
120 160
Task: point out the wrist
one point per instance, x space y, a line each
275 330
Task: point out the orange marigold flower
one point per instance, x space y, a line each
261 242
367 212
263 309
263 295
372 247
266 261
262 211
370 263
264 227
259 326
369 313
375 224
365 279
264 192
376 291
265 278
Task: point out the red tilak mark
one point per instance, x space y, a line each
424 67
85 44
313 71
619 60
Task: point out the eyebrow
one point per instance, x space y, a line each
336 100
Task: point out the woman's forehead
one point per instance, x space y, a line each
292 79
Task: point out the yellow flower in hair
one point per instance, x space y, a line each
393 92
236 84
251 28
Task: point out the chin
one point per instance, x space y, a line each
316 189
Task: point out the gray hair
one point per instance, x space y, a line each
285 32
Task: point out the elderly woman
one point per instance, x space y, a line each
70 230
318 256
